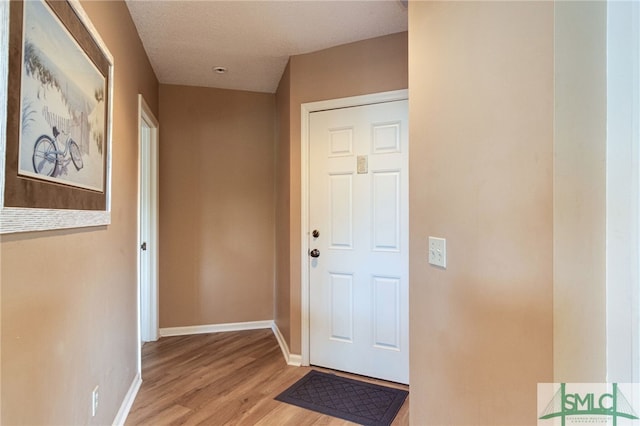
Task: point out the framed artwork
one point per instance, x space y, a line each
57 77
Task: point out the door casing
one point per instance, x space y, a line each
305 110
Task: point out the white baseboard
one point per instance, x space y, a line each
292 359
215 328
295 360
127 402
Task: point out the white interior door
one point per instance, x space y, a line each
358 204
148 224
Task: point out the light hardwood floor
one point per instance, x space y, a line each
224 379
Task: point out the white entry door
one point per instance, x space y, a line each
358 204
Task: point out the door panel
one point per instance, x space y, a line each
386 211
387 313
358 186
342 307
341 210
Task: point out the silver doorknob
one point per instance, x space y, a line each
314 253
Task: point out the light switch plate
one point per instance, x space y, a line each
363 164
438 252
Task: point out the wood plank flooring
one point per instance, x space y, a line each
224 379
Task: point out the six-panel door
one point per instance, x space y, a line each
358 202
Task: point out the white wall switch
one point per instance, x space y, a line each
438 252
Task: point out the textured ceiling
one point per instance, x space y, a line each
253 39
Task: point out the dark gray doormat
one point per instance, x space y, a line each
348 399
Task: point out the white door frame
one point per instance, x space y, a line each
147 117
623 192
305 110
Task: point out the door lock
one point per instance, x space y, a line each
315 233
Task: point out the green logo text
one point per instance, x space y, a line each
613 404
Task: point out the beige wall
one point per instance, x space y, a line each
481 176
69 297
369 66
283 181
217 206
580 192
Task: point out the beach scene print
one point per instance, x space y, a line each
63 105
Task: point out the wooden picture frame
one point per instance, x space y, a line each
56 102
